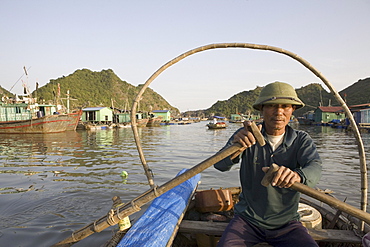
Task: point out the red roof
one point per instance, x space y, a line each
330 108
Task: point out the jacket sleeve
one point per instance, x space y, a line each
309 161
227 163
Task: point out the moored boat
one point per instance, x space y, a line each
24 118
154 121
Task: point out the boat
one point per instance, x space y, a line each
123 125
97 126
209 211
154 121
25 118
163 215
332 233
218 125
75 119
141 122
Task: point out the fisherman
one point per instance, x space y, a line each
269 214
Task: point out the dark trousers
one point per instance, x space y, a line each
241 233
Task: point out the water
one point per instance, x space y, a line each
53 184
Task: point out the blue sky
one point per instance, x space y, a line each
135 38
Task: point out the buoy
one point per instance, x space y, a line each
124 174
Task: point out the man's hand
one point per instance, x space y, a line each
245 137
284 177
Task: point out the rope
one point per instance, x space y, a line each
110 218
135 207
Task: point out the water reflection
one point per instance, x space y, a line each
53 184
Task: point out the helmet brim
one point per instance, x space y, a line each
291 101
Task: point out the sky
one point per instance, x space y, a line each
52 39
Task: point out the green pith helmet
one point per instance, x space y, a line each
278 93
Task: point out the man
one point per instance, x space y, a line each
269 214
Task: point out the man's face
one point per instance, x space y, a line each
276 117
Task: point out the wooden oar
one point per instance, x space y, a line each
134 205
362 215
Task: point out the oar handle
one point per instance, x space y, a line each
334 202
257 134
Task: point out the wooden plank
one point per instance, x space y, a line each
217 228
207 227
334 235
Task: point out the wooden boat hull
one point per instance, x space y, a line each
154 122
205 229
142 122
46 124
75 118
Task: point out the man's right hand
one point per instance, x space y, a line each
245 138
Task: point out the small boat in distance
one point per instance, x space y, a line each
215 124
218 125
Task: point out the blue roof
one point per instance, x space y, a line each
161 111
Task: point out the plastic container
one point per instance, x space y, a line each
214 200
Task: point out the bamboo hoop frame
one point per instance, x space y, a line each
361 151
134 205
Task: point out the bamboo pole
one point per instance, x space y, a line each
302 61
133 206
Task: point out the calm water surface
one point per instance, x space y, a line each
53 184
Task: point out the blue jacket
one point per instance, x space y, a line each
273 207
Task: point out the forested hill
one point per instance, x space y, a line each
313 95
357 93
4 92
101 89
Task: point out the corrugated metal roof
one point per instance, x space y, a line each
93 108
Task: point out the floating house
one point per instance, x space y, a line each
97 115
125 118
326 114
164 114
122 117
361 113
236 118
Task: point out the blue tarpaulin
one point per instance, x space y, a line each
156 225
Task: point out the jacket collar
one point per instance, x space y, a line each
289 136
